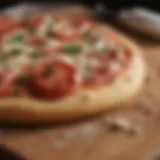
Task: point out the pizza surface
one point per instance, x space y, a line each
59 68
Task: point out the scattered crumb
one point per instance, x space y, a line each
84 132
155 156
121 124
61 140
144 107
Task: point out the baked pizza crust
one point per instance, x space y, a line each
86 102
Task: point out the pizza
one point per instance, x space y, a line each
59 68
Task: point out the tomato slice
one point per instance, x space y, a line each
69 67
62 80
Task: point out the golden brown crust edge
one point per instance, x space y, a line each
85 102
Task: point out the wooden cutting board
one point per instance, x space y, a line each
92 139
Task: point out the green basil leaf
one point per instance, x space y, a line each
49 30
16 52
92 39
17 38
35 54
73 49
32 30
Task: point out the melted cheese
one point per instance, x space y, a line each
103 44
16 62
115 66
81 60
53 43
65 58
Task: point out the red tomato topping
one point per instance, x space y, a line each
69 67
6 91
102 70
110 55
8 85
62 80
81 23
28 68
7 77
8 23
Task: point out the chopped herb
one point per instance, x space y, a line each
87 67
17 38
48 71
87 33
16 52
49 30
35 54
32 30
91 38
3 57
73 49
87 75
16 92
107 49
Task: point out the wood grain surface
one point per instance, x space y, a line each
96 138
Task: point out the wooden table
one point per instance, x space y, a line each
90 139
